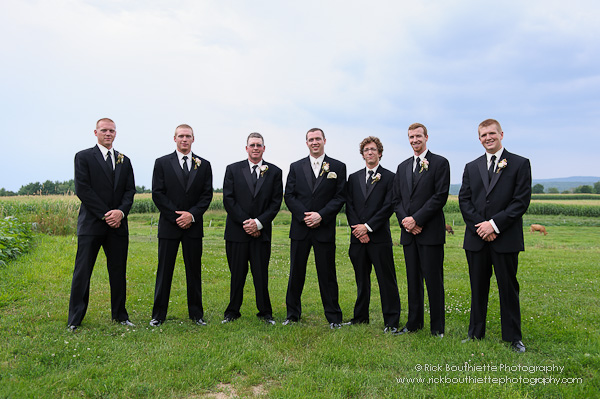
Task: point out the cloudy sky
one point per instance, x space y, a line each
353 68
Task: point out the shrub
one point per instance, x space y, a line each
14 239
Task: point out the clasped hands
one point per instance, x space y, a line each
312 219
361 232
113 218
411 226
251 228
185 219
485 230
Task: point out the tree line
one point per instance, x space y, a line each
584 189
53 188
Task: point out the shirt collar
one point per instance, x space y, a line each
319 160
181 155
374 170
422 156
498 155
251 164
105 150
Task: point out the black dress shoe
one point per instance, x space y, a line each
335 326
200 322
269 320
390 330
228 319
72 328
402 331
155 322
518 346
288 322
127 323
437 334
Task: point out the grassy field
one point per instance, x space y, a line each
560 301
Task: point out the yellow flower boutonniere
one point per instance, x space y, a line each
263 170
376 178
324 168
120 158
424 165
501 165
197 162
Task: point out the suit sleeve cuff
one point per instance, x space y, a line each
494 226
258 224
368 228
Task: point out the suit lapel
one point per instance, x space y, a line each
261 179
177 169
322 174
361 182
247 173
371 186
118 167
103 165
409 175
308 173
482 166
193 172
419 173
496 175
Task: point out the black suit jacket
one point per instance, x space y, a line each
371 204
169 195
242 201
99 192
326 197
504 199
425 202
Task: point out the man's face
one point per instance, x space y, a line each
106 133
371 155
417 140
491 138
184 137
255 149
315 143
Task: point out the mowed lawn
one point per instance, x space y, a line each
560 301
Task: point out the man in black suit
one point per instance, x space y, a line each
314 194
495 193
369 206
252 194
182 190
420 193
105 185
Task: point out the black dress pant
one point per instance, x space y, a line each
115 248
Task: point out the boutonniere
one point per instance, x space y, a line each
332 175
325 168
501 165
197 162
424 165
119 158
376 178
263 170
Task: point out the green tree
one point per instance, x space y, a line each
538 189
597 187
553 190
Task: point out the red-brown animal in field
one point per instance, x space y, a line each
449 229
538 227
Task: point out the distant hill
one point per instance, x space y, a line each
561 183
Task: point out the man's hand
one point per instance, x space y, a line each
113 218
485 230
256 234
312 219
490 237
416 230
184 220
250 227
359 230
364 239
408 223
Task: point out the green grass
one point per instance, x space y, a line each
560 304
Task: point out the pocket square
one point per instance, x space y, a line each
332 175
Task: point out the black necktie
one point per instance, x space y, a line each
186 171
110 164
369 178
254 175
416 171
491 168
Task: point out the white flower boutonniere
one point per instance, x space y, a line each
501 165
424 165
332 175
376 178
263 170
197 162
324 168
119 159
